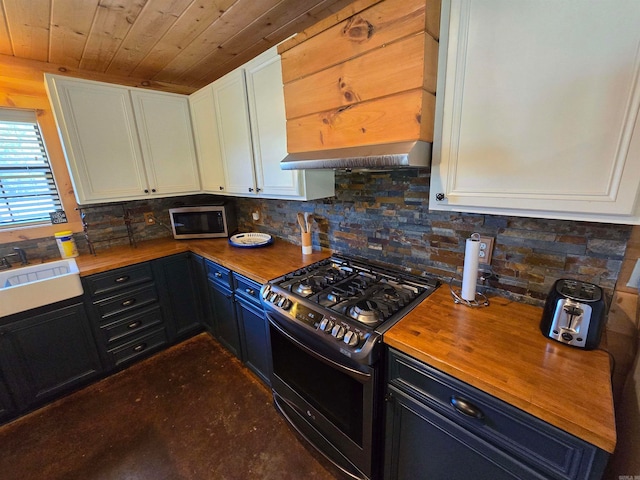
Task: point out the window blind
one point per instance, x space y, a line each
28 191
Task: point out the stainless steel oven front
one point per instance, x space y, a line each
331 401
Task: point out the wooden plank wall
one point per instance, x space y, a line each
369 78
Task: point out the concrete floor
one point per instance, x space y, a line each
190 412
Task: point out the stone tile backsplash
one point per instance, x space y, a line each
384 217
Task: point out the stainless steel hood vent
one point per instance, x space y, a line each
368 157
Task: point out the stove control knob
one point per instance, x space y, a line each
273 297
351 338
284 303
338 332
265 293
326 325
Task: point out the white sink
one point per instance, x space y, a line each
37 285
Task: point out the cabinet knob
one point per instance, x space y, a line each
146 190
129 302
122 279
139 348
465 407
221 187
250 189
258 189
440 196
218 275
153 190
250 291
134 324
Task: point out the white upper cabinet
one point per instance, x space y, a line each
234 132
166 138
268 126
538 109
122 143
205 127
248 130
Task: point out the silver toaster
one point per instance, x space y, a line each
574 313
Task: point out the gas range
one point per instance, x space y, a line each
344 304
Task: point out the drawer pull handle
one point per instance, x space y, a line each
250 291
128 303
134 324
139 348
122 279
467 408
218 275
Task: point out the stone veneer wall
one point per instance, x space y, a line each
384 216
106 226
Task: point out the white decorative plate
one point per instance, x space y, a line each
251 240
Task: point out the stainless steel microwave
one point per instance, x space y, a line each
206 221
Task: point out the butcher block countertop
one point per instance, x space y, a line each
500 350
259 264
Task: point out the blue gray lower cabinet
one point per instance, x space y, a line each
43 353
254 329
140 309
224 325
127 317
440 428
237 318
7 408
177 279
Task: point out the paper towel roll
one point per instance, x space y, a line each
470 271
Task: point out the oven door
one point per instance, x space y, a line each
328 401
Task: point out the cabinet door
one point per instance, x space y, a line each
225 325
179 298
255 338
539 110
205 131
200 277
49 353
268 126
7 409
166 137
98 129
421 443
232 117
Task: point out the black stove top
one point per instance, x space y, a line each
359 292
345 300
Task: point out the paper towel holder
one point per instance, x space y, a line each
467 293
481 299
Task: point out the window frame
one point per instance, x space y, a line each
33 186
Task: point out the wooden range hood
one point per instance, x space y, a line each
360 87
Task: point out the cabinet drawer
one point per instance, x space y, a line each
132 325
535 442
247 288
139 347
126 301
114 280
219 274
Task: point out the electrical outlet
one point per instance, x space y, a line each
486 248
149 219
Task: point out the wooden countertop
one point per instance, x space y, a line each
500 350
259 264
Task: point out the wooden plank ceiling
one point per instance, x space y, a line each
180 42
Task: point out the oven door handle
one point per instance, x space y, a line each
361 376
